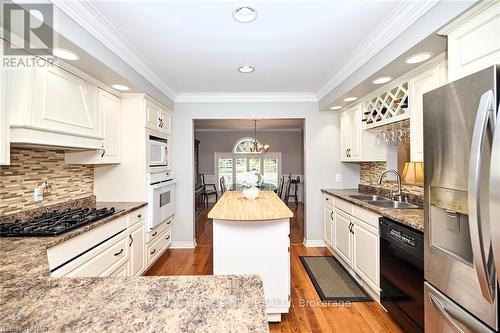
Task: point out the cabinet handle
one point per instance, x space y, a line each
154 234
154 250
331 216
139 216
168 237
131 240
118 253
169 222
103 152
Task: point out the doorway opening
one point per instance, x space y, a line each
226 149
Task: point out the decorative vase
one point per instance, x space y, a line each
251 192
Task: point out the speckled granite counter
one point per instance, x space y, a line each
413 218
33 301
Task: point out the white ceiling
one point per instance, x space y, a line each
196 46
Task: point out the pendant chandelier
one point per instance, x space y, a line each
255 147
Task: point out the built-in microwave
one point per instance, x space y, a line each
158 151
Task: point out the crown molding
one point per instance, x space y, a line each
399 19
245 129
245 97
86 15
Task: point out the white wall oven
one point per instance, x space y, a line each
158 152
161 197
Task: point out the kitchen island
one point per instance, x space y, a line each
252 237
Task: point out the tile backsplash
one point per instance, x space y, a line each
29 168
370 171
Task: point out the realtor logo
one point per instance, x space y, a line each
29 28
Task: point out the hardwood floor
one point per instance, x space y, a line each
307 313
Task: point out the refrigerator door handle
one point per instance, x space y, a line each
494 203
484 116
446 315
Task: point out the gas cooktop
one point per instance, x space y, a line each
55 223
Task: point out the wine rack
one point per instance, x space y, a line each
388 107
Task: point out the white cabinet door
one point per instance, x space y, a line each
328 225
137 248
64 103
418 86
475 44
366 253
345 138
165 121
109 109
342 236
356 132
153 114
4 126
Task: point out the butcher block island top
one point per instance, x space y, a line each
234 206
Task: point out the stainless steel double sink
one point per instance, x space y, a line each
382 202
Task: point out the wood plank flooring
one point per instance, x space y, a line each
307 313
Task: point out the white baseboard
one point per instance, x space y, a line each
314 243
183 245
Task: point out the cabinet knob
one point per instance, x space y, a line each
168 237
139 216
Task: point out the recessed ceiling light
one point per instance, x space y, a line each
350 99
246 69
419 57
65 54
120 87
382 80
244 14
336 107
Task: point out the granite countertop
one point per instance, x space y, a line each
412 217
34 301
233 206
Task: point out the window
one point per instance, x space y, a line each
232 166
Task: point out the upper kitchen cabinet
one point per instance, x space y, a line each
4 126
358 145
110 153
50 106
157 117
473 41
418 86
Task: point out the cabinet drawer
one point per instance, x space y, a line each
136 216
366 216
328 199
152 235
343 205
158 247
100 264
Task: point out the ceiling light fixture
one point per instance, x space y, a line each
120 87
246 69
382 80
65 54
350 99
244 14
255 146
336 107
419 57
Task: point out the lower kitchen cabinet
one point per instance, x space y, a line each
328 224
136 249
343 236
366 253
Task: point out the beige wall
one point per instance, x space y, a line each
289 143
29 168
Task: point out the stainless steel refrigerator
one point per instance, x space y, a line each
462 204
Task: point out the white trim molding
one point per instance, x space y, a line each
86 15
183 244
245 97
243 129
402 17
314 243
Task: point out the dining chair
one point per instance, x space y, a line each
222 182
287 191
208 190
281 183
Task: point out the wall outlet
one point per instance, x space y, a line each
37 194
338 178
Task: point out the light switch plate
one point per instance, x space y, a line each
338 178
38 194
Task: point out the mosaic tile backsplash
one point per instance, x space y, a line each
29 168
370 171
